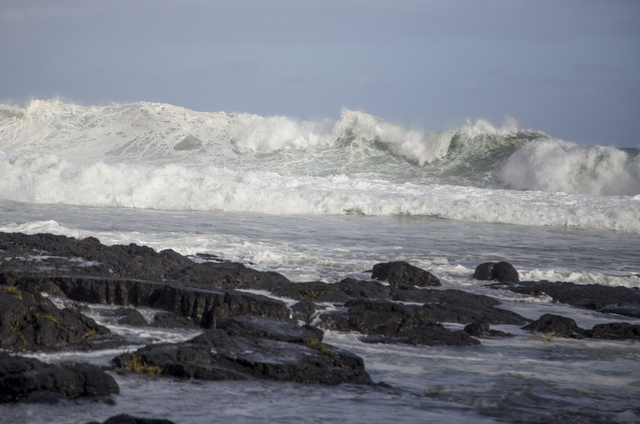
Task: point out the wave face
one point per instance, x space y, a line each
160 156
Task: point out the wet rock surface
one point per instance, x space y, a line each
28 379
501 271
458 306
253 347
30 321
389 322
557 325
402 273
249 336
612 300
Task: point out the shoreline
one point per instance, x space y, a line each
204 296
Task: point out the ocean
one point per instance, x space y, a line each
322 201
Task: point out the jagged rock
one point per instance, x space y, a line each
404 274
340 292
124 261
28 379
501 271
202 306
557 325
229 275
125 316
29 321
269 328
458 306
392 323
304 311
482 329
278 353
613 300
616 331
428 335
128 419
164 319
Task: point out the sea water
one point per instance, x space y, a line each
328 200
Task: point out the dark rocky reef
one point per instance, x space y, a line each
252 347
611 300
389 322
123 261
28 379
201 305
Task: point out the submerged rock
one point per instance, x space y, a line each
402 273
501 271
252 347
28 379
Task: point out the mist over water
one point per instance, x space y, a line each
158 156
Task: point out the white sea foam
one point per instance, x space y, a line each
157 156
558 166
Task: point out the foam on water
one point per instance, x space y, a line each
157 156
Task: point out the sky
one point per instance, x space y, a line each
570 68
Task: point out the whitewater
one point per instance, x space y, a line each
325 200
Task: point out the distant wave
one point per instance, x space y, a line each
148 155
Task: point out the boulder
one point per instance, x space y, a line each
501 271
404 274
557 325
28 379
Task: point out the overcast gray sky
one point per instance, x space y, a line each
570 68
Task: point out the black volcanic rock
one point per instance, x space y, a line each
340 292
557 325
28 379
244 348
458 306
616 331
482 329
201 305
29 321
613 300
501 271
392 322
123 261
402 273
